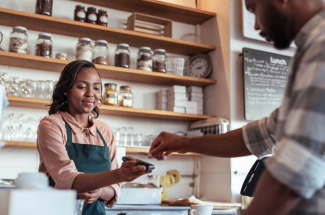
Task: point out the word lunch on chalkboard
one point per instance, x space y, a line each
265 79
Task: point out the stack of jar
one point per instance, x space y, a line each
91 16
123 98
148 62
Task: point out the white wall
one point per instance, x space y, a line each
15 160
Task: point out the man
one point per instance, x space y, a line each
293 182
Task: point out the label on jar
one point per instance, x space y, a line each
92 17
112 96
81 14
127 101
103 19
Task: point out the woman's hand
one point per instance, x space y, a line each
91 196
129 171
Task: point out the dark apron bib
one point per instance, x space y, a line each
88 159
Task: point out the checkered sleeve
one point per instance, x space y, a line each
259 135
299 161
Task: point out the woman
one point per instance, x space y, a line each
76 151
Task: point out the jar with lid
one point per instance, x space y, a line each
159 61
18 40
144 61
80 13
102 17
110 97
91 15
44 45
44 7
122 55
125 97
84 49
100 52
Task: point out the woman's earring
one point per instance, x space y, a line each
65 94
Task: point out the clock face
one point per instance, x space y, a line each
200 66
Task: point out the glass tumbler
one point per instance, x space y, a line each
129 137
138 140
41 92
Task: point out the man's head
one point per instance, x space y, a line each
280 20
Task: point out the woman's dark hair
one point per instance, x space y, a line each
65 83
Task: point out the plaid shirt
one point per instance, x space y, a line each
296 130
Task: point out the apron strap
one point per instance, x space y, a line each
101 137
69 134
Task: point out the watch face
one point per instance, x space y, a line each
200 67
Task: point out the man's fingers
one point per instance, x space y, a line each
84 196
138 169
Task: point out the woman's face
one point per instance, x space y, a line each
85 92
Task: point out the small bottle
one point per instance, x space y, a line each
91 15
110 97
80 13
102 17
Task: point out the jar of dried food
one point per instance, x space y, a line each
144 61
125 97
122 55
159 61
18 40
91 15
110 97
44 7
84 49
44 45
100 52
80 13
61 56
102 17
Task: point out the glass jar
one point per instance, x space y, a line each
100 52
144 61
122 55
84 49
80 13
44 45
91 15
125 97
110 97
159 61
44 7
102 17
18 40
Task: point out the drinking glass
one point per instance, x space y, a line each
129 138
138 140
123 137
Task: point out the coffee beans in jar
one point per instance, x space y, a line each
44 45
144 61
18 40
159 61
84 49
122 55
102 17
44 7
80 13
91 15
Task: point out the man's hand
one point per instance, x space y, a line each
165 144
91 196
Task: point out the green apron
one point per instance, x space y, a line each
88 159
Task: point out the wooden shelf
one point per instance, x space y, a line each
156 8
128 150
95 32
111 72
115 111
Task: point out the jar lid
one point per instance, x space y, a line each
110 85
123 45
101 42
144 48
125 87
19 28
80 6
160 51
44 35
91 8
84 39
102 11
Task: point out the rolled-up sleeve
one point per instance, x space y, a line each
114 165
259 136
53 154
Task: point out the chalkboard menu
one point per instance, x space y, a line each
265 79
